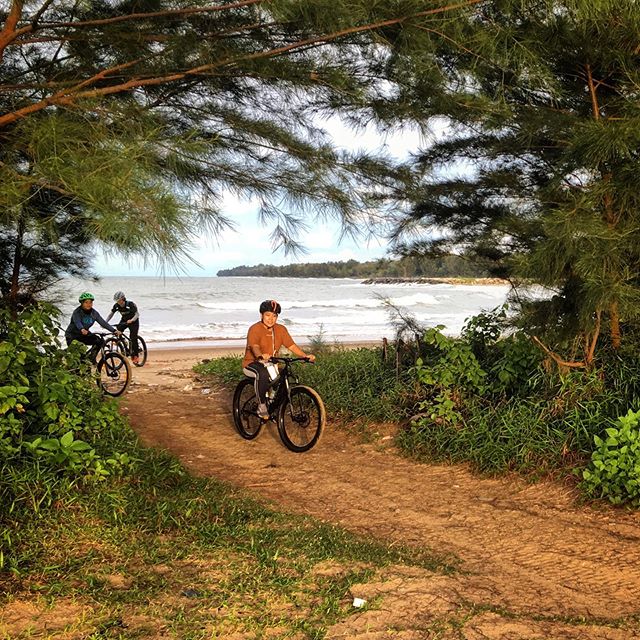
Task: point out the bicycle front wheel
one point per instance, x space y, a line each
245 410
301 419
117 344
114 374
142 352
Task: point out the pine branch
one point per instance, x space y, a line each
66 99
558 359
9 32
168 13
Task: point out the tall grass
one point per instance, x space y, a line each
354 383
513 413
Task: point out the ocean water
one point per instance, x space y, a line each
219 311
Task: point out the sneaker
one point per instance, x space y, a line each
135 359
262 411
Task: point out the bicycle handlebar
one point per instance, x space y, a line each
288 360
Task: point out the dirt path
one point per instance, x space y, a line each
533 564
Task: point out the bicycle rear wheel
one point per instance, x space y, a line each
142 352
114 373
301 419
245 410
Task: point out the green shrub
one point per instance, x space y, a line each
614 472
56 429
49 400
516 368
450 372
503 411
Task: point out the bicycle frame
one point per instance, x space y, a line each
124 345
103 347
126 342
283 385
297 409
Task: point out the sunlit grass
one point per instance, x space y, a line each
191 558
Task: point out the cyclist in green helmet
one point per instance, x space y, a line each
82 318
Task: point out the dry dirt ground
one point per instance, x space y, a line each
532 562
554 568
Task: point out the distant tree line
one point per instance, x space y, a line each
449 266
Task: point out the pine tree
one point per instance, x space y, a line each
538 174
143 113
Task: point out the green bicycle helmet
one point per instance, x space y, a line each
85 296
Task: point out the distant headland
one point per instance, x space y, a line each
414 269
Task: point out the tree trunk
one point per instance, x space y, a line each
17 264
609 215
614 324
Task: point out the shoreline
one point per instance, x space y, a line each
169 353
235 345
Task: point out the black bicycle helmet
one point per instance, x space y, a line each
270 305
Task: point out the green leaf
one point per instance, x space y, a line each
67 439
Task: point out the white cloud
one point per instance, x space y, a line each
249 242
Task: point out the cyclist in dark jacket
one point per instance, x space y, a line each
82 319
129 319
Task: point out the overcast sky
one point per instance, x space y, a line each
249 243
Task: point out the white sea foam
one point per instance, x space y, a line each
340 303
220 310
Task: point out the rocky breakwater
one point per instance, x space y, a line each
420 280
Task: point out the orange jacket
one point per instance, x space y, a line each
270 340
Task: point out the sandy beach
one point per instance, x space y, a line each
180 351
168 357
577 570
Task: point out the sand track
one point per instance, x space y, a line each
533 563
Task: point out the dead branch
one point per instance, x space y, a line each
557 359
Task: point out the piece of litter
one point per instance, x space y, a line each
205 391
359 602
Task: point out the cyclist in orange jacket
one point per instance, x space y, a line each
264 339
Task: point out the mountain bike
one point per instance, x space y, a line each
113 369
122 344
298 410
